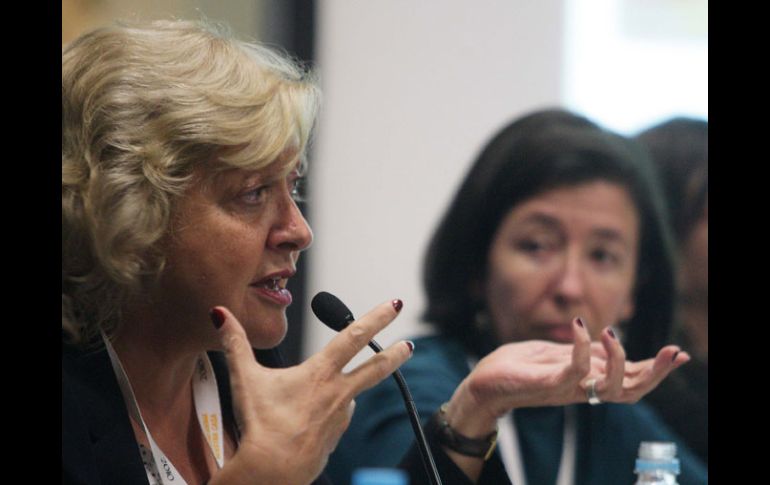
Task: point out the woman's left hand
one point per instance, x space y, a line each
542 373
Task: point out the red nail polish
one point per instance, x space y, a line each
612 334
410 344
673 359
217 317
580 322
397 304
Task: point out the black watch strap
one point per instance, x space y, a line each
444 434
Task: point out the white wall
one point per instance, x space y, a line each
631 63
413 89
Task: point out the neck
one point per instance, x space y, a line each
159 366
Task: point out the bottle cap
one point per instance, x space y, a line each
657 455
379 476
657 450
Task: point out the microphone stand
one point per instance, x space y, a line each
414 418
333 313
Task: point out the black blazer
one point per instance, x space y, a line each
98 444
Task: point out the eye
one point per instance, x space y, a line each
533 246
297 189
256 195
530 246
605 257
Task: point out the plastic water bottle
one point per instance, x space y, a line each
379 476
657 464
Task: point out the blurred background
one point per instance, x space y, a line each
412 90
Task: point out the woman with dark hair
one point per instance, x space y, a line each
679 149
556 235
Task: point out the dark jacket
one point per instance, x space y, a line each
608 435
98 444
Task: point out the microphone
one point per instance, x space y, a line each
336 315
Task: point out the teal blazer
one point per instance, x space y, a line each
608 435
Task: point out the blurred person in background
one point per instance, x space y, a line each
556 235
679 149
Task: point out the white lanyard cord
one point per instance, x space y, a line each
510 451
207 407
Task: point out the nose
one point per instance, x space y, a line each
291 231
570 282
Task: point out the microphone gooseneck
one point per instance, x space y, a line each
336 315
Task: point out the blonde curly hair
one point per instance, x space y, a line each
143 105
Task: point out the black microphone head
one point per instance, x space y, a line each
331 311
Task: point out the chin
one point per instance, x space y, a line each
267 335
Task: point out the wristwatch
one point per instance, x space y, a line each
444 434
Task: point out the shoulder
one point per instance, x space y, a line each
437 357
98 444
437 366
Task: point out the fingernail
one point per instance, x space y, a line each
217 317
673 359
580 322
410 344
397 304
612 334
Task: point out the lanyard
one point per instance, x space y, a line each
159 469
510 451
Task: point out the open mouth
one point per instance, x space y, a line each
274 284
274 289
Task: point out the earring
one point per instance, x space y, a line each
481 320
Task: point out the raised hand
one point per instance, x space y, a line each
542 373
291 419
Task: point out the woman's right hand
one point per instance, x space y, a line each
291 419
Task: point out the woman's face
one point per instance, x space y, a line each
567 252
235 239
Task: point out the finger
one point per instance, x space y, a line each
598 367
598 350
238 353
379 366
667 359
678 358
610 386
633 369
357 335
581 350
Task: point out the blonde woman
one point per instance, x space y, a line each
181 153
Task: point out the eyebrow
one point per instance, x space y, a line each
550 222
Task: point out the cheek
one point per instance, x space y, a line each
511 293
614 305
